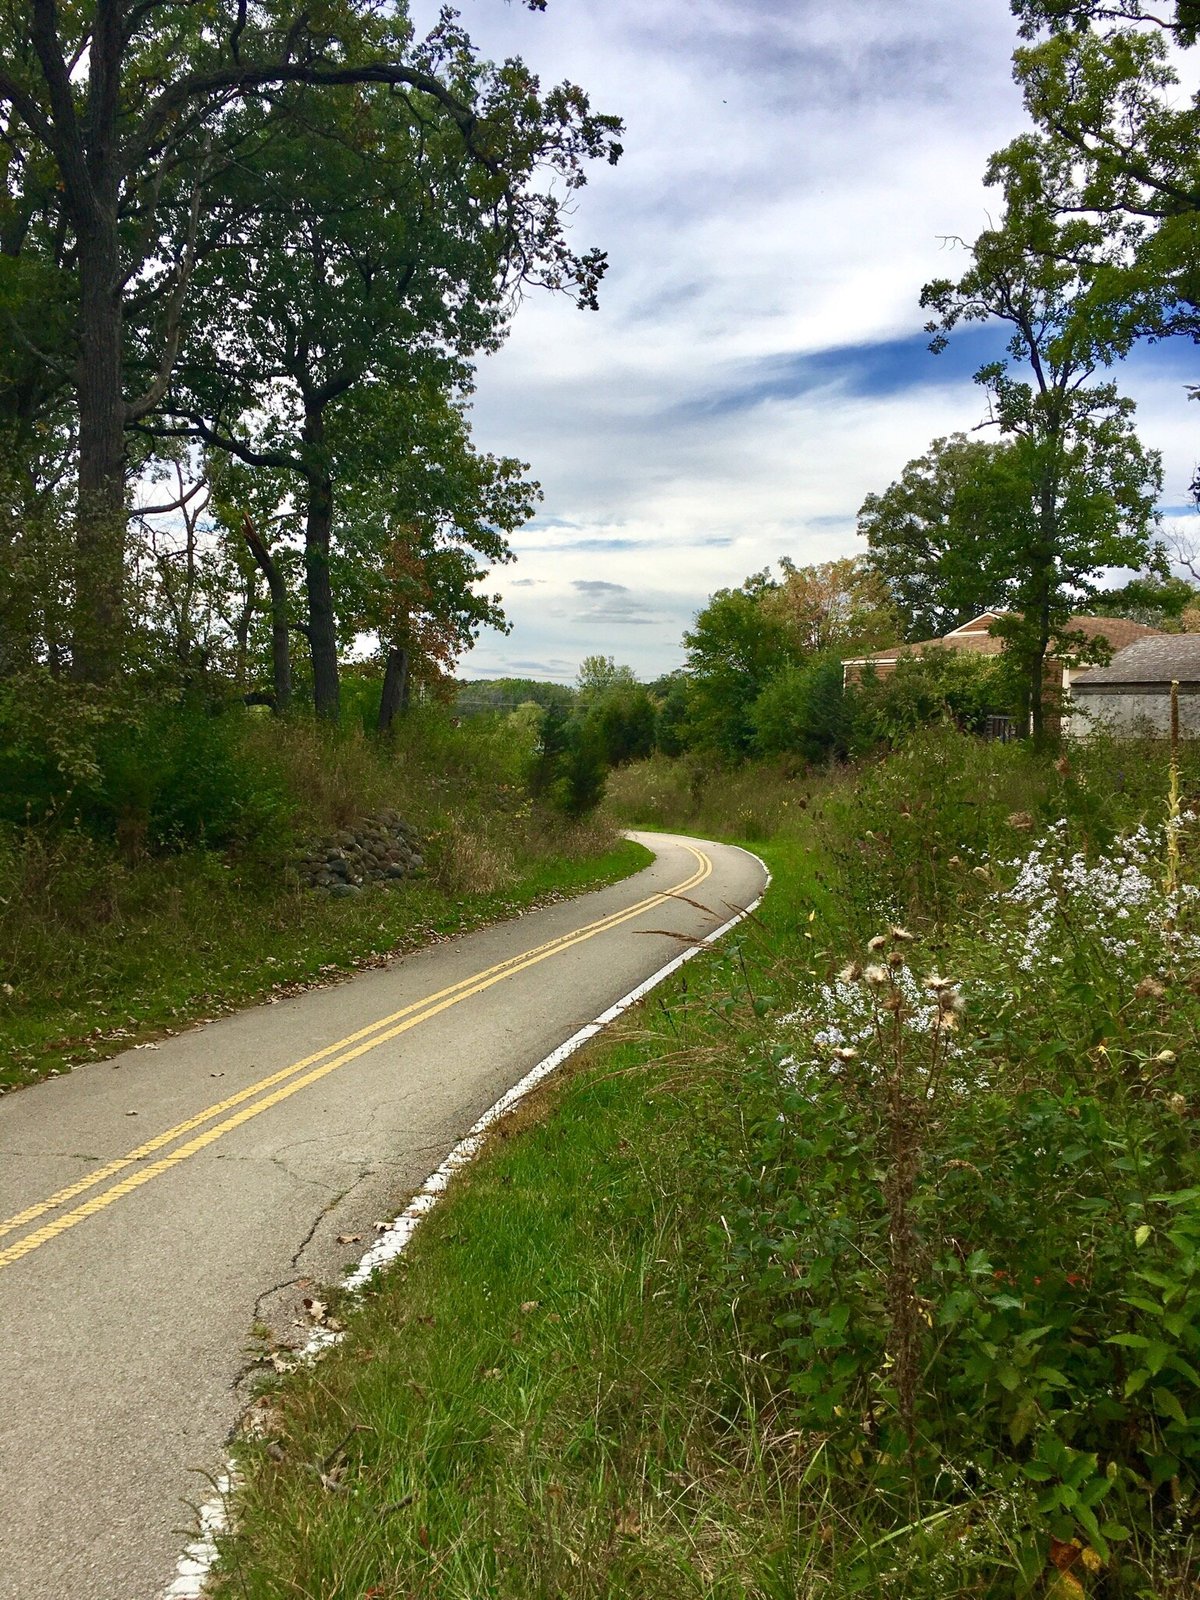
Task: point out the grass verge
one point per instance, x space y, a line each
102 955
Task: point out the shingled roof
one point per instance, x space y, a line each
974 638
1160 659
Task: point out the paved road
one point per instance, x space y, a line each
137 1251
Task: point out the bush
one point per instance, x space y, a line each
940 686
964 1236
804 711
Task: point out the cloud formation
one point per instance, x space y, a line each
793 175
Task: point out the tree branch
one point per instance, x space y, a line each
135 410
239 79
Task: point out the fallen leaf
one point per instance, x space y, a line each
629 1523
317 1309
349 1238
131 1113
423 1537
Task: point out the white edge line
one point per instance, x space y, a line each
199 1558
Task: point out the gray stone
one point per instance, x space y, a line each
343 891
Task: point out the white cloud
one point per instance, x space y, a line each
792 170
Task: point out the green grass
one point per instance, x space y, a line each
101 955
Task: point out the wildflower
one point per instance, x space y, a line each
1166 1057
877 943
1150 989
1178 1104
846 1052
850 973
875 976
1020 820
901 935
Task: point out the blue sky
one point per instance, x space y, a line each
794 171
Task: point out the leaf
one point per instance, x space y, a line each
1141 1234
1167 1405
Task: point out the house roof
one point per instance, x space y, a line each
974 637
1160 659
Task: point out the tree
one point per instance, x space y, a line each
1078 488
931 536
1120 144
734 647
599 674
839 605
805 711
134 109
331 312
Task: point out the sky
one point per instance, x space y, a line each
794 171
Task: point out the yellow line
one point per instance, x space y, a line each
119 1163
404 1020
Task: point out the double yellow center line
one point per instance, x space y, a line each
279 1086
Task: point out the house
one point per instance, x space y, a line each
976 638
1133 693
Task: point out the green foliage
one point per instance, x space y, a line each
804 711
734 648
478 695
1157 600
114 922
623 720
931 535
938 686
1076 492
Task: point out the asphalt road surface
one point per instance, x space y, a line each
155 1207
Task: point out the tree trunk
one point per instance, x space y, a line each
99 567
281 644
318 537
395 688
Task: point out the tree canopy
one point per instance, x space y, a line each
360 196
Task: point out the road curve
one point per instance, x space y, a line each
155 1206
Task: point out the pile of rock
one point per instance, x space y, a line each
379 849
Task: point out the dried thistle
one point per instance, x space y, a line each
1150 989
877 943
875 976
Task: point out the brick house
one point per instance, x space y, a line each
975 638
